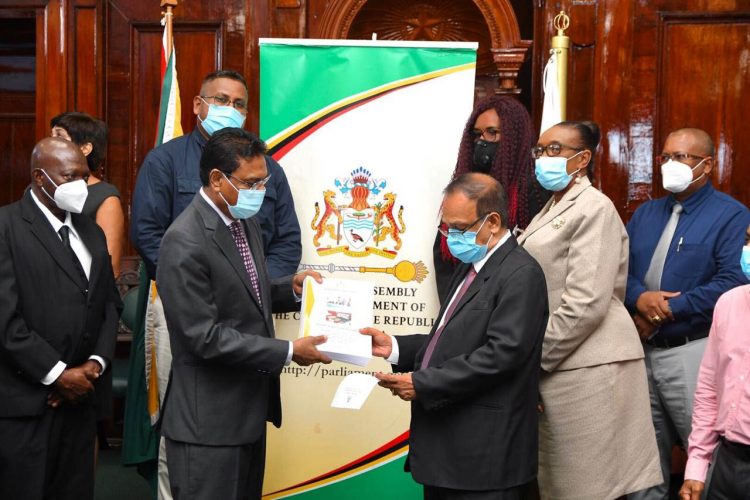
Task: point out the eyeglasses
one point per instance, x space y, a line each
254 186
239 104
552 149
488 134
680 157
444 230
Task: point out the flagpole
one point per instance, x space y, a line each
561 47
169 4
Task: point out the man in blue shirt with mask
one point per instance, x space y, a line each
684 253
168 181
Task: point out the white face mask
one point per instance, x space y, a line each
69 196
677 176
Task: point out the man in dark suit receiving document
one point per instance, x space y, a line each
473 381
218 302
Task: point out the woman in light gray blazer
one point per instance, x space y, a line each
596 438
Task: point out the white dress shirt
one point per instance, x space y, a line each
84 256
393 358
228 222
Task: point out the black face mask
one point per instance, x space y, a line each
484 155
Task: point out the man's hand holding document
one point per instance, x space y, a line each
338 309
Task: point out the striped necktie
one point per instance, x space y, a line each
241 241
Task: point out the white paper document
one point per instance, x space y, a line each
338 309
353 391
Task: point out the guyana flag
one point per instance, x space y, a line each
169 125
141 439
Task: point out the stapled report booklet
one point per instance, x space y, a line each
338 309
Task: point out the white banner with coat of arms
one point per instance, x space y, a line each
367 134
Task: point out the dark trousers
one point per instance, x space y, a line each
51 456
517 493
198 472
731 477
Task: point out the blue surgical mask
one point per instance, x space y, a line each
745 261
220 117
248 201
552 172
464 246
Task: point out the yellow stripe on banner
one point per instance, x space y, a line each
282 136
340 477
309 302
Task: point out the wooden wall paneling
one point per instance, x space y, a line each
86 61
17 138
261 25
120 157
52 65
287 19
314 12
609 92
643 86
19 65
691 92
539 56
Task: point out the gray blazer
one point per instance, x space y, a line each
582 247
226 362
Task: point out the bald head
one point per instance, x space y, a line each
51 153
701 141
54 162
484 190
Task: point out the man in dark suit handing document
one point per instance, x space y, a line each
218 302
473 381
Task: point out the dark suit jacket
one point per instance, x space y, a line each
225 360
48 313
474 422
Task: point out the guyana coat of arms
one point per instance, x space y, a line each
358 218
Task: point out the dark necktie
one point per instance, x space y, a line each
239 239
434 340
64 233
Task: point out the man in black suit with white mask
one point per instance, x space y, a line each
58 325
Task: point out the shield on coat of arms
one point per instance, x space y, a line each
358 226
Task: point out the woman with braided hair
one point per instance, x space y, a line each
496 140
